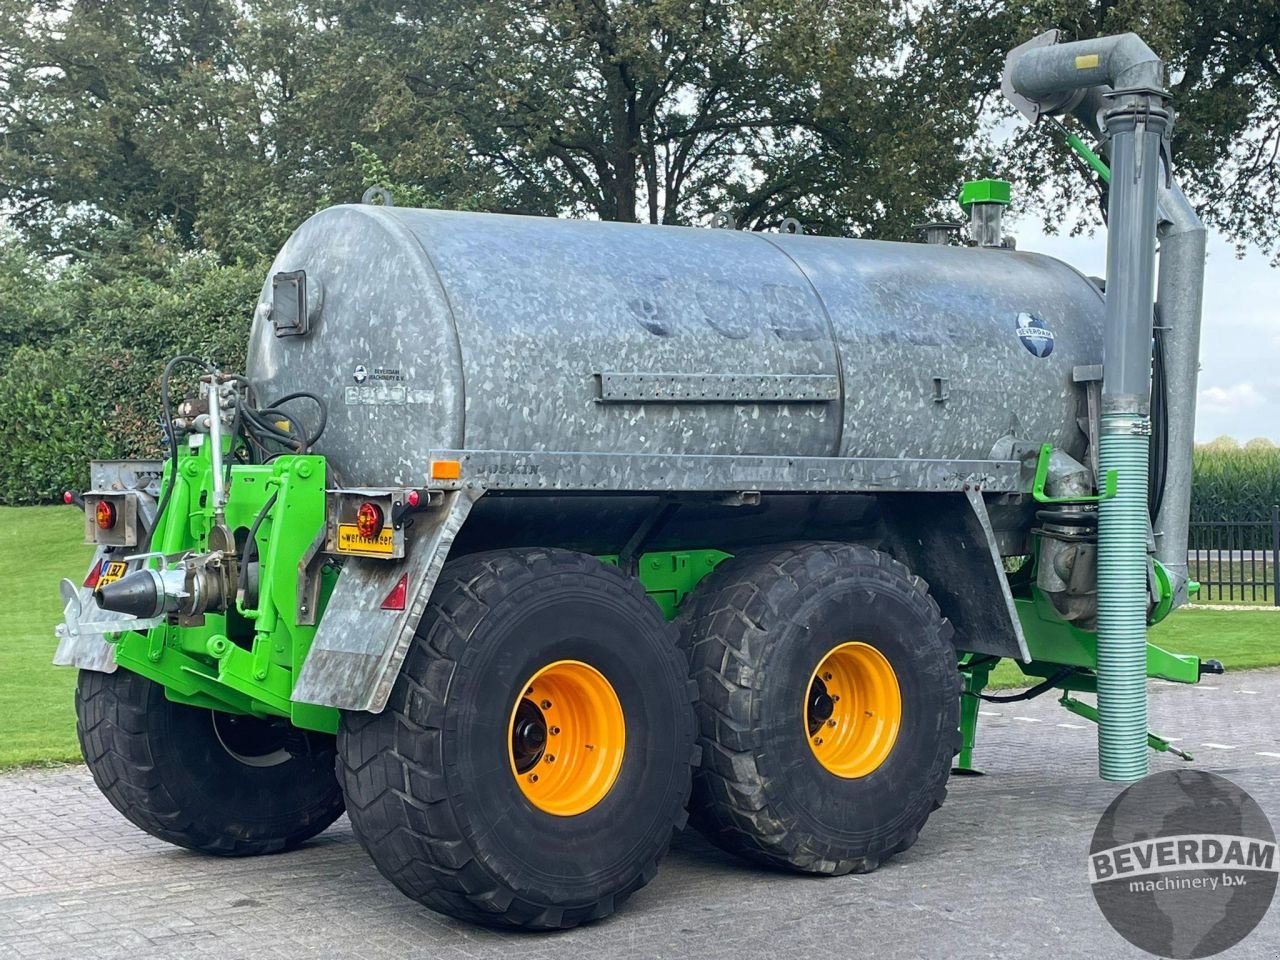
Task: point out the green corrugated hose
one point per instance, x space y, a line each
1122 600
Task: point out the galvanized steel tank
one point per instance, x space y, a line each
431 329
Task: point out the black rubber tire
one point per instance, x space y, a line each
164 766
755 631
428 781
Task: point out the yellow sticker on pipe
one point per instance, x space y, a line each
1088 61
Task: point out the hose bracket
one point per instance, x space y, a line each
1110 482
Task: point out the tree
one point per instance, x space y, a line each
119 117
1223 72
228 121
663 110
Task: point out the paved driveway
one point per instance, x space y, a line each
998 872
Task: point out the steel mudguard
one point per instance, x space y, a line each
358 647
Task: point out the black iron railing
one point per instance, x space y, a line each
1236 561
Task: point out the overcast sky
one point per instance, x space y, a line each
1240 341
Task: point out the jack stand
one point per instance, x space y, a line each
976 670
1090 713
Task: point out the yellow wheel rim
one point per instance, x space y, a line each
852 710
566 738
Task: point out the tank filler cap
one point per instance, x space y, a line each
984 202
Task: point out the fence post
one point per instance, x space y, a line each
1275 554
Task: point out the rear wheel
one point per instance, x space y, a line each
829 706
535 755
221 784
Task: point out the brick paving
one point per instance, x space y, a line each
998 872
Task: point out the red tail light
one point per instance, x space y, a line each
105 515
369 520
95 574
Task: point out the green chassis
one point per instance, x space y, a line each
245 661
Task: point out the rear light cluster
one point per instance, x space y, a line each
372 522
111 519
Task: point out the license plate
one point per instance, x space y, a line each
110 572
350 541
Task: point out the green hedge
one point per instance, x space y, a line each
80 375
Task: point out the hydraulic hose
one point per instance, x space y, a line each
165 404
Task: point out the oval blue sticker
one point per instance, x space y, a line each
1034 334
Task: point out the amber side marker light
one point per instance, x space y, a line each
446 469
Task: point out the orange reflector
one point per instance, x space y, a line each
446 469
396 598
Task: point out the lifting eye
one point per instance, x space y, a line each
369 520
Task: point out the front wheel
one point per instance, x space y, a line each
213 782
534 757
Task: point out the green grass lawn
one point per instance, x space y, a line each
40 545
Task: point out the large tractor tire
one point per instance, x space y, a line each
535 756
213 782
828 709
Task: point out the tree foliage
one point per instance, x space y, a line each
228 121
665 111
83 383
1223 62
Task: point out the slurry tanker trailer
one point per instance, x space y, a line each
547 536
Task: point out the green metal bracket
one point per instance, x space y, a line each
1090 713
1110 482
245 660
669 576
1055 643
1164 586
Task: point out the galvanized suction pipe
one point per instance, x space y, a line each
1057 78
1180 292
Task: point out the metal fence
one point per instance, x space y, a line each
1235 561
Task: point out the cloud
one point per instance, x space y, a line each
1238 396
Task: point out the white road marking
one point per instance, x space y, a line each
989 713
1201 686
1252 693
1218 746
1073 726
1266 753
1027 719
1173 739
